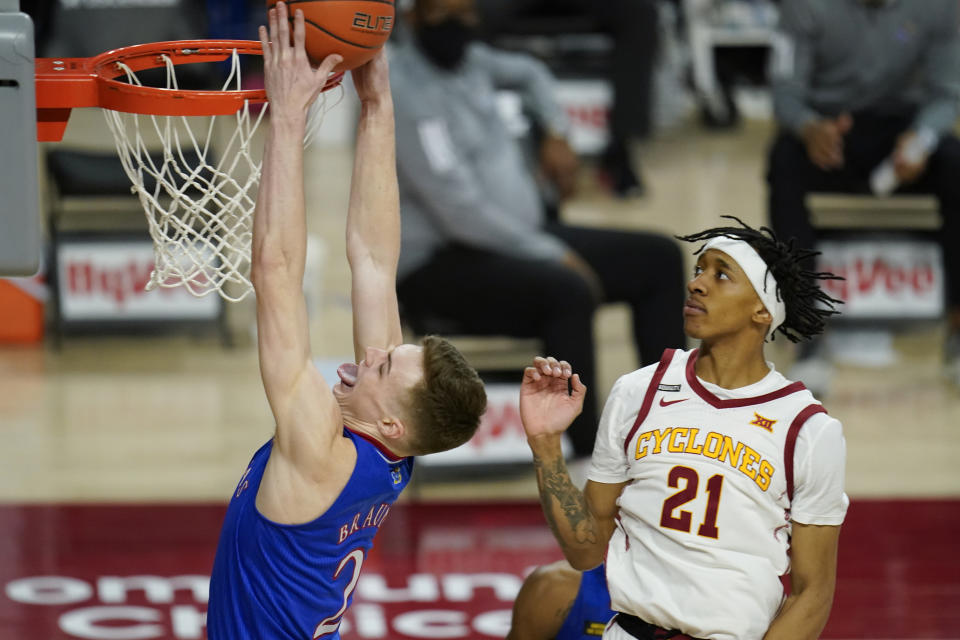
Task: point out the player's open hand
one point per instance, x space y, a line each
372 79
551 396
292 84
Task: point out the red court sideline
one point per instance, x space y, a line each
438 571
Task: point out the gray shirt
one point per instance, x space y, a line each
463 176
835 56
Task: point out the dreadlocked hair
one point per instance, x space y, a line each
808 306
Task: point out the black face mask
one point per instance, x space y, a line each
445 43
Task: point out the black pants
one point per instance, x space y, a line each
493 294
633 24
642 630
791 176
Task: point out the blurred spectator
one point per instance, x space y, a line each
477 249
89 27
856 82
633 25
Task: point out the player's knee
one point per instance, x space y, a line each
549 581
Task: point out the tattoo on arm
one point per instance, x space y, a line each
554 484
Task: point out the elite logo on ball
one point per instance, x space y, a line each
367 22
353 29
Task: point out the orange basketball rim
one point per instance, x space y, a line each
66 83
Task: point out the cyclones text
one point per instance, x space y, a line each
714 445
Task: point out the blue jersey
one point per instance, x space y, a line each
591 611
273 581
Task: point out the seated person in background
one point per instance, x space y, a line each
476 247
633 26
856 82
557 602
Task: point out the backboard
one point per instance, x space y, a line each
20 230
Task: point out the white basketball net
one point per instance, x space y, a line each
198 200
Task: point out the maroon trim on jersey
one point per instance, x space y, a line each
651 392
718 403
389 455
626 538
791 443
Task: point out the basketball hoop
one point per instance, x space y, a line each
199 208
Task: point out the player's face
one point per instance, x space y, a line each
722 301
376 387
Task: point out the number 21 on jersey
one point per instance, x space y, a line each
683 520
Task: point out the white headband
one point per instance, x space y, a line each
758 274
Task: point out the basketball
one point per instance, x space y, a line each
355 29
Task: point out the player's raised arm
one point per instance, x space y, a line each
551 396
299 398
373 220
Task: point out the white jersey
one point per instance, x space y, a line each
716 476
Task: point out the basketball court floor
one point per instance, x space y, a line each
119 454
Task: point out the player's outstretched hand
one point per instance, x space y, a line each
372 79
292 84
551 396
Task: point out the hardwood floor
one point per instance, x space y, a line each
174 417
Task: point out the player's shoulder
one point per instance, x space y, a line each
815 417
777 380
637 382
633 383
822 424
818 420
